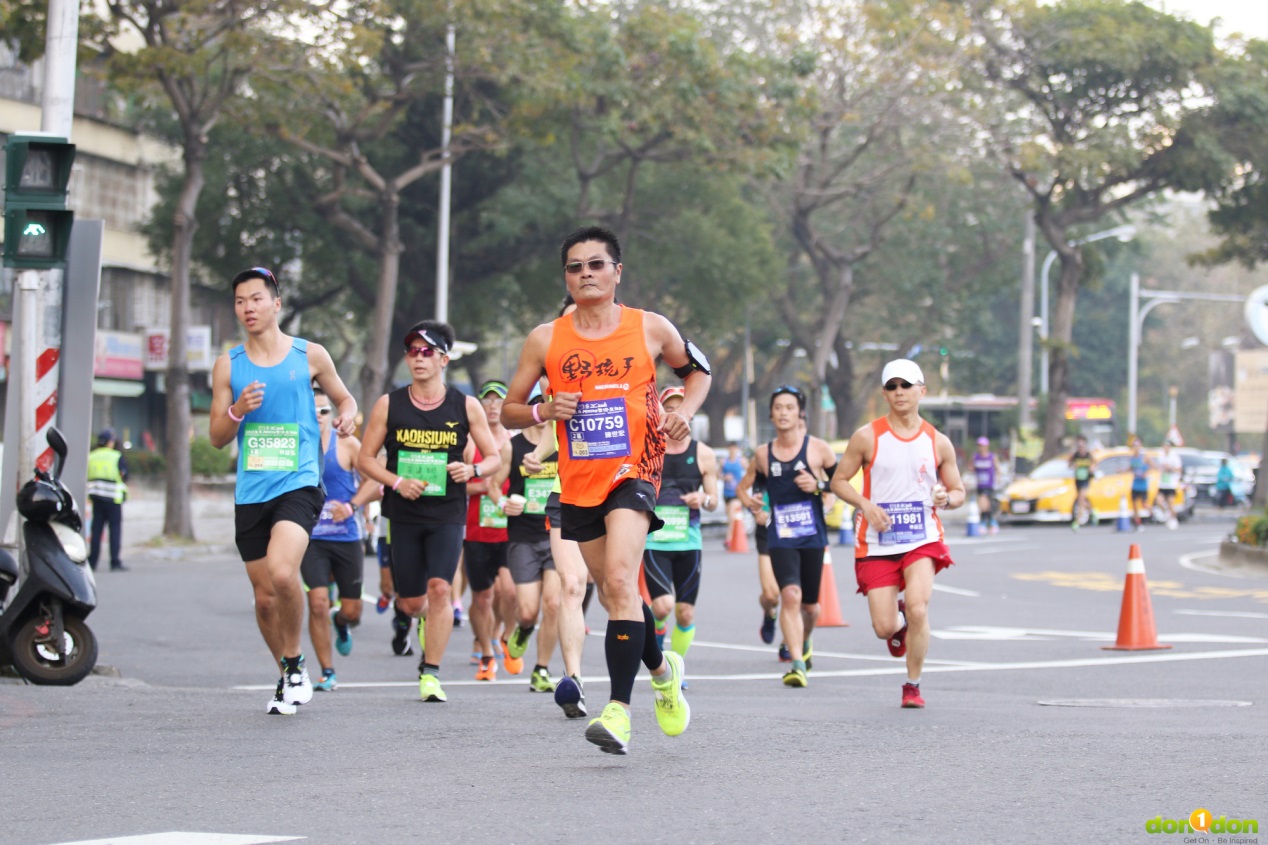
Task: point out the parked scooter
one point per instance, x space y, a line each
42 630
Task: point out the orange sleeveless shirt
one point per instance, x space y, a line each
615 434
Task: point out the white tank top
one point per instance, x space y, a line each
900 480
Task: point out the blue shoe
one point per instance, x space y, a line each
457 616
343 636
571 697
768 628
785 656
328 681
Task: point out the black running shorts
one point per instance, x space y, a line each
253 523
585 524
423 552
339 561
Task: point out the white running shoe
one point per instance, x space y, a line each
278 705
298 689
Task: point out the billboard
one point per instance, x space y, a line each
119 355
1250 391
198 352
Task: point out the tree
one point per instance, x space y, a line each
1101 106
198 54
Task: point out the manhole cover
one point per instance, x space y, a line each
1142 702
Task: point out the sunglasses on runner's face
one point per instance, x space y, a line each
324 410
894 385
595 265
420 352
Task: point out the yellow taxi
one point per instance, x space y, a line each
1047 494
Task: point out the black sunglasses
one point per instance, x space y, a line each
595 265
894 385
788 388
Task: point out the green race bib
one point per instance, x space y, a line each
431 468
271 447
491 515
537 491
677 520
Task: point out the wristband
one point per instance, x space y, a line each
537 418
502 504
398 482
234 418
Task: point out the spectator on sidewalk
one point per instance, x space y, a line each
107 490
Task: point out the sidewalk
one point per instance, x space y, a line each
212 511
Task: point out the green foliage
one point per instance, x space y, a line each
206 459
1252 530
142 462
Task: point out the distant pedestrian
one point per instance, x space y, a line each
986 472
108 490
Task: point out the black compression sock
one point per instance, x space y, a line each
652 658
623 644
585 601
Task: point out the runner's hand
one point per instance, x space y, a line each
941 498
676 425
531 464
344 426
694 499
876 517
411 488
461 472
339 511
564 406
512 508
806 482
252 397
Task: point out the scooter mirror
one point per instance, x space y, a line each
58 443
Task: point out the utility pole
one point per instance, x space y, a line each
1026 332
446 181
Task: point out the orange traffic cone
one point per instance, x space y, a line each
1136 631
642 586
738 541
829 602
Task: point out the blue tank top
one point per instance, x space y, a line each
279 443
341 485
735 470
796 516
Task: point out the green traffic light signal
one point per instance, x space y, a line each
943 351
36 221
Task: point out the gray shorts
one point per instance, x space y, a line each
527 561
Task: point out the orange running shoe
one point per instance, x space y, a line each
488 670
514 665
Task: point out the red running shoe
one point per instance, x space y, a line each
898 642
911 696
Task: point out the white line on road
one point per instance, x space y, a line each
177 837
1009 549
898 668
957 591
988 632
1244 614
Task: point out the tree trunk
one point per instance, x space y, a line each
374 375
840 381
177 518
1059 342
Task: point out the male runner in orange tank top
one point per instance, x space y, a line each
601 363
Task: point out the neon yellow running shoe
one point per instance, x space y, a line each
517 643
540 681
796 678
611 731
429 688
808 653
422 635
672 710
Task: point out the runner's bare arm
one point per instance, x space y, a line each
709 469
504 472
368 463
322 369
745 487
483 437
858 453
222 429
516 412
949 474
666 342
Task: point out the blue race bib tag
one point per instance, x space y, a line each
907 523
794 520
599 429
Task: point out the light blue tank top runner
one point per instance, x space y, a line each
279 443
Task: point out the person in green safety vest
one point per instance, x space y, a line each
107 490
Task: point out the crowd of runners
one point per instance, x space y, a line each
579 476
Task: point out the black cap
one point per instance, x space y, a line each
105 436
432 339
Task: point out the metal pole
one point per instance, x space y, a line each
1133 349
442 230
60 45
1026 339
1043 321
745 387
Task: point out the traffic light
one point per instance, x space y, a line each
943 351
36 221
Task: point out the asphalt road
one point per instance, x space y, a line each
179 742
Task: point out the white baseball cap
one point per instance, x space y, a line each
902 368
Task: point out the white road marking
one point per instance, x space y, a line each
896 669
987 632
177 837
1008 549
956 591
1237 613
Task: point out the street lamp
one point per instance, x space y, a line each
1124 234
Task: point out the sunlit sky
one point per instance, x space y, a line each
1249 17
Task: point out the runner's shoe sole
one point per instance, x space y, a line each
571 697
602 737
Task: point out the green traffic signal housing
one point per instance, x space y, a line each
36 222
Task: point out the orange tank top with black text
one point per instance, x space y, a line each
615 434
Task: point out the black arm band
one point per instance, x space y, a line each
825 486
831 471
